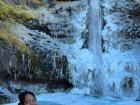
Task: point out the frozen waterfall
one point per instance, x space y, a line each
95 28
86 65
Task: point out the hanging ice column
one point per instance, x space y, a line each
95 31
95 27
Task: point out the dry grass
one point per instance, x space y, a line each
11 38
14 12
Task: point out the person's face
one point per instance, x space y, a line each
29 100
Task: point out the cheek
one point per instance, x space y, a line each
35 103
26 104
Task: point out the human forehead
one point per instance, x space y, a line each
29 97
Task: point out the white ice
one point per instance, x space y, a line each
77 99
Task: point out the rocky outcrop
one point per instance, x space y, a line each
59 20
40 65
29 3
4 99
45 61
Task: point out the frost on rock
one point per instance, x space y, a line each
121 55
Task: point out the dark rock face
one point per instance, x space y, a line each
35 3
30 3
128 84
7 54
4 99
37 66
55 30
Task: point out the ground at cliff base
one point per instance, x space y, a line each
75 99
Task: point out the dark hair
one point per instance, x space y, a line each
22 96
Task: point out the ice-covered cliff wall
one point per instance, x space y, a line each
121 46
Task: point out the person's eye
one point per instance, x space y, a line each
26 102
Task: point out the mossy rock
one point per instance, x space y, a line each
4 99
29 3
7 35
14 12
